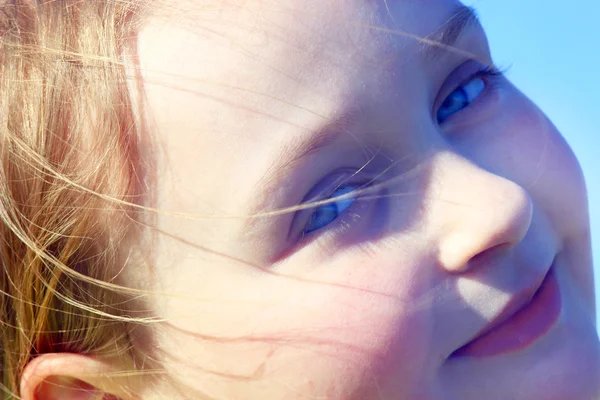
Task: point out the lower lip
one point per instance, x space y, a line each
523 328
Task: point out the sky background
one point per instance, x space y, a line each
553 52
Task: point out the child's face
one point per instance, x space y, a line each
259 105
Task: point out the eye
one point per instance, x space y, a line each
327 213
461 98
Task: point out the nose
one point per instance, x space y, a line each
474 211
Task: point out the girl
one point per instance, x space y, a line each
295 199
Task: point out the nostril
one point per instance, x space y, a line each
485 257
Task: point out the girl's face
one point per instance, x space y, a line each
459 203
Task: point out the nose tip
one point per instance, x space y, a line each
488 212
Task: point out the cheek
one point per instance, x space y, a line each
373 314
543 164
335 330
521 144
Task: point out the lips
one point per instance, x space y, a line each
516 304
529 315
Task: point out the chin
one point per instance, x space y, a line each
566 367
570 366
562 365
573 371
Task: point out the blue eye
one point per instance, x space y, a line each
327 213
460 98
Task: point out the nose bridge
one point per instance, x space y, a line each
473 210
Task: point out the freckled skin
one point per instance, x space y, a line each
370 311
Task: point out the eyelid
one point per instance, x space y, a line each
358 223
342 199
322 192
460 76
334 181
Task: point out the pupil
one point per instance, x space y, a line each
457 99
324 215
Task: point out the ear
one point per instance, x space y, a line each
67 376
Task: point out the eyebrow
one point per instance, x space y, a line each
444 39
292 154
298 150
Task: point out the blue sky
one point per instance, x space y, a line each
553 52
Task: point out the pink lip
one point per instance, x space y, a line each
524 320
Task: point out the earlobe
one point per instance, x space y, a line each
68 376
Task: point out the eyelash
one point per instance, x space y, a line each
486 74
347 197
490 70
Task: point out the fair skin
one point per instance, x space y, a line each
476 207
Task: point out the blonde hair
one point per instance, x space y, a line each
68 147
70 181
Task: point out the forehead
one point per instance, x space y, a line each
261 62
230 82
295 43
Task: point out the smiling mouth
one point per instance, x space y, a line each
521 323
